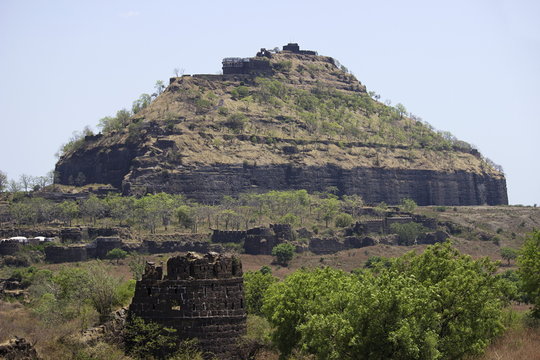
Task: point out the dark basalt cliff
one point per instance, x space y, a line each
426 187
301 123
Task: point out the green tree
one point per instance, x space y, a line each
408 205
159 87
184 215
407 232
116 254
437 305
529 270
352 204
121 208
284 253
255 285
401 110
67 211
142 102
328 209
508 254
288 304
93 208
467 297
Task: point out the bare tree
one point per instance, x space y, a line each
178 72
26 182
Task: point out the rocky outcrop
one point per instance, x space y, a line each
18 349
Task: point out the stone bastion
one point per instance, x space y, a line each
200 296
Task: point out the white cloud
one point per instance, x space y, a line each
129 14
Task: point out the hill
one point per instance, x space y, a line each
287 119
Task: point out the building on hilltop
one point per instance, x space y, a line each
200 296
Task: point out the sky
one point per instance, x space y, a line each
471 67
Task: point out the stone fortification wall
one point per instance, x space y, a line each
9 247
71 234
200 296
61 254
224 236
156 247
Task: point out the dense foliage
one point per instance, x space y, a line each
440 304
529 270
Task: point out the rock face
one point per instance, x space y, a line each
209 184
282 120
201 297
18 349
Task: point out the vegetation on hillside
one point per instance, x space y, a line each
303 104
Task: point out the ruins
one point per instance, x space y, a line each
200 296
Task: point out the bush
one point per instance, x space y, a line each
240 92
407 232
284 253
408 205
236 122
343 220
146 339
116 254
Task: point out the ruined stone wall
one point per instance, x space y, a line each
71 234
9 247
60 254
283 231
322 246
105 244
200 297
156 247
224 236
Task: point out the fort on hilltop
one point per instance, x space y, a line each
282 120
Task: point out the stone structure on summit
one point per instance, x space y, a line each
200 296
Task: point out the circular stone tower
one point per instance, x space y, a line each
200 296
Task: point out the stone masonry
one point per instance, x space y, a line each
200 296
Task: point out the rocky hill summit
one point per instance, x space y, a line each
284 119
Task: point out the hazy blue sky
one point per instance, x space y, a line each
469 67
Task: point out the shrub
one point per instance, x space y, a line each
240 92
145 339
407 232
408 205
116 254
343 220
284 253
236 122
